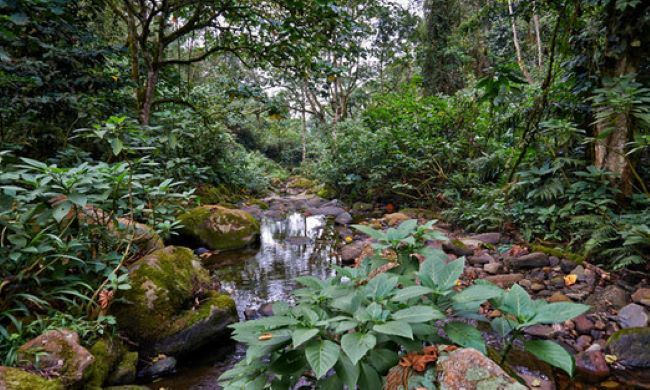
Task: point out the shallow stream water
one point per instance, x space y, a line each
289 247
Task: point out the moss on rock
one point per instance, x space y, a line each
107 352
558 252
125 370
17 379
163 283
220 228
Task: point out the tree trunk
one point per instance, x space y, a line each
148 96
304 123
515 39
538 36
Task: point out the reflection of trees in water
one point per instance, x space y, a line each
269 274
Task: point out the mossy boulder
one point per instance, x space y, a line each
160 310
220 228
125 370
59 352
16 379
114 364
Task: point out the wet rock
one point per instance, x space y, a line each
201 251
162 311
250 314
567 265
468 369
266 310
125 371
297 240
315 201
611 296
492 268
159 368
254 210
457 247
630 346
591 366
633 316
488 238
60 352
642 296
220 228
483 258
395 219
16 379
532 260
583 324
505 280
344 218
328 211
351 251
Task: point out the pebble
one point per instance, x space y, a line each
537 286
583 342
492 268
583 324
505 280
591 366
532 260
558 297
642 296
633 316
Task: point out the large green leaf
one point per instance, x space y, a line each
322 355
557 312
478 292
302 335
289 363
348 372
517 302
397 328
369 379
446 276
407 293
383 359
551 353
465 335
61 210
420 313
381 285
376 234
356 345
503 326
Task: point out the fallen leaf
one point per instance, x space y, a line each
536 383
570 279
610 359
265 336
348 239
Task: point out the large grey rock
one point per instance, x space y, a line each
630 346
633 316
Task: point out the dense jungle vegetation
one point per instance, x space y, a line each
525 117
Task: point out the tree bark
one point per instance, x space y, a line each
538 36
515 39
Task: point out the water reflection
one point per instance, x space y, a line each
291 247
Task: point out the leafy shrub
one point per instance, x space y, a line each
360 320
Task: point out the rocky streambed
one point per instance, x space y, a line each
177 313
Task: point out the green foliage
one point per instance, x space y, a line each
359 320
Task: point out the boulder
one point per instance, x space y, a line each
12 378
611 296
633 316
457 247
58 352
531 260
630 346
107 352
220 228
158 368
160 310
469 369
125 370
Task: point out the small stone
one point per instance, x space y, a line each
505 280
577 296
583 324
543 331
159 368
480 259
558 297
553 261
583 342
578 271
633 316
611 296
395 219
488 238
492 268
537 286
344 218
266 310
567 265
532 260
642 296
591 366
351 251
525 283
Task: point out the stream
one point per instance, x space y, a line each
291 246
